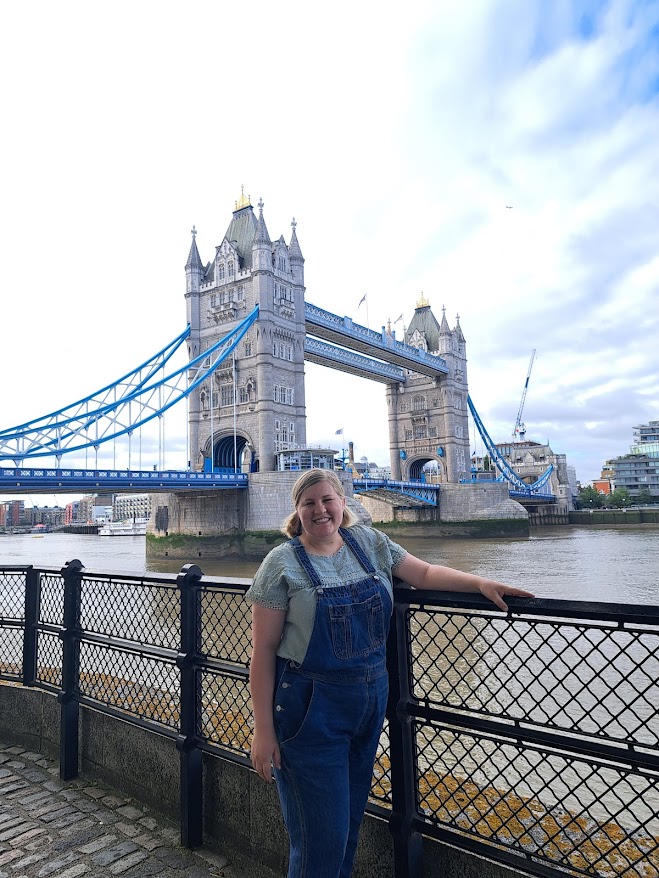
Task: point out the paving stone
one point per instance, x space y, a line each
74 871
128 829
9 856
71 829
148 842
94 792
20 840
128 862
104 858
130 812
56 865
113 801
97 844
18 785
30 860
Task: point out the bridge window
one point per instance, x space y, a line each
248 349
408 435
432 432
240 294
244 394
214 300
284 394
226 394
220 271
419 403
420 431
230 268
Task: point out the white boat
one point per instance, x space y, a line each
133 527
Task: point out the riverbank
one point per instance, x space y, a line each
255 545
614 516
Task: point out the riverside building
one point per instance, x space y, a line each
638 471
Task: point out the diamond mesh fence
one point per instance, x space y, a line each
226 625
12 594
49 660
535 736
11 653
141 685
539 736
131 609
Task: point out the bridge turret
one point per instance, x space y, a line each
296 257
193 273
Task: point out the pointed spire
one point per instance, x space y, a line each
294 249
458 329
444 327
262 236
194 260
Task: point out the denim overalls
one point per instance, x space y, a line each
328 714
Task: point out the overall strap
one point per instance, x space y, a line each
356 549
305 561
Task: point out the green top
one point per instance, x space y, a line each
281 582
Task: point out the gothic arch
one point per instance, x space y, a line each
223 452
416 464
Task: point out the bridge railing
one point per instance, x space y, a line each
529 737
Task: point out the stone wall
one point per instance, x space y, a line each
474 502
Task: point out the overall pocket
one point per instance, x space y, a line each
357 629
291 705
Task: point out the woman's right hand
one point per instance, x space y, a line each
265 753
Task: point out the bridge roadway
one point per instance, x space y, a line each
23 480
75 481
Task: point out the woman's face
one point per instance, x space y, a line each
321 510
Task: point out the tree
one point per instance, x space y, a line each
589 498
645 497
619 498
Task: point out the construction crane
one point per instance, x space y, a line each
519 430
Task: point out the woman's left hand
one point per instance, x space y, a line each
494 591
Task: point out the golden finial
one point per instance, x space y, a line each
244 200
422 302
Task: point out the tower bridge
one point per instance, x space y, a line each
250 331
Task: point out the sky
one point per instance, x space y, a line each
499 158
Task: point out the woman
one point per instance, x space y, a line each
321 605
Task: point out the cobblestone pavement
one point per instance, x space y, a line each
64 829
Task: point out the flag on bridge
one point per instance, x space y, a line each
398 319
339 432
363 299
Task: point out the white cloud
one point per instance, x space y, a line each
396 138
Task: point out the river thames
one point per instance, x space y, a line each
606 563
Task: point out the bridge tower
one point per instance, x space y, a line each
255 404
428 417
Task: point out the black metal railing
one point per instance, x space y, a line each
529 737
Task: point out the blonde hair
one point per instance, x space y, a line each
292 526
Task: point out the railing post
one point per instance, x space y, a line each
70 637
191 775
31 619
407 842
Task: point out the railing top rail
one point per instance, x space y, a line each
554 607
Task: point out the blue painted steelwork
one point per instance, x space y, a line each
419 490
342 331
325 354
139 397
17 480
504 467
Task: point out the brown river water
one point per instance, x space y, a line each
606 563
